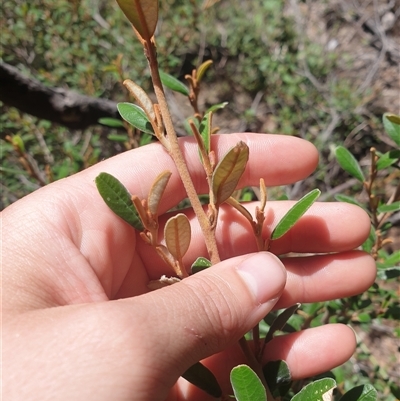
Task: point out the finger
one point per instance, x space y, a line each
325 228
307 353
111 350
313 351
209 311
137 169
325 277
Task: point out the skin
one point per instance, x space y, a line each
79 322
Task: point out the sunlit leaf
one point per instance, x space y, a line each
246 385
349 163
391 122
174 84
278 376
216 107
135 116
142 98
157 191
177 234
228 172
388 159
111 122
200 264
365 392
204 379
294 214
143 15
202 69
393 207
118 199
319 390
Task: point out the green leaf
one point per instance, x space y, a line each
393 207
347 199
135 116
387 159
200 264
318 390
278 377
294 214
145 139
174 84
228 172
117 138
111 122
246 384
204 379
365 392
118 199
216 107
205 130
143 15
349 163
391 122
280 321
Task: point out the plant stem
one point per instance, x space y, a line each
176 154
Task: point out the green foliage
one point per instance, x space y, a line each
294 214
135 116
246 384
316 391
118 199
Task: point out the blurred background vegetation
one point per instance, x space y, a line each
325 71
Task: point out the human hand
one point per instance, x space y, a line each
81 324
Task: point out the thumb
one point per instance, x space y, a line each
209 311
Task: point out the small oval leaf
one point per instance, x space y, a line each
143 15
228 172
142 98
349 163
319 390
246 385
135 116
118 199
391 122
157 190
200 264
204 379
365 392
177 234
174 84
294 214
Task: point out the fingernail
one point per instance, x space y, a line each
264 275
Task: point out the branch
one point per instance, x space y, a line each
59 105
